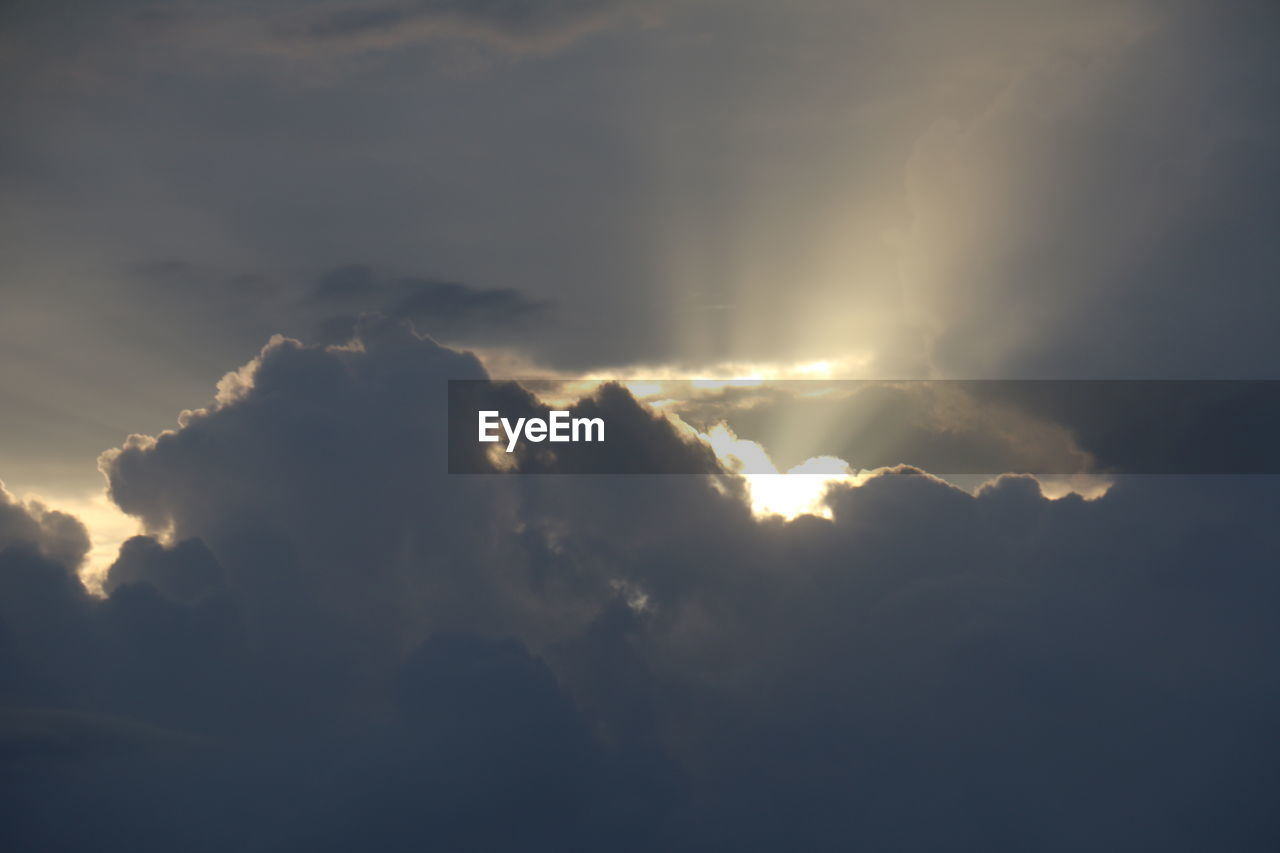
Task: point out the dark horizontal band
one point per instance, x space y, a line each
958 427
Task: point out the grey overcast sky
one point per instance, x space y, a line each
244 607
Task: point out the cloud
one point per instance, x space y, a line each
510 26
944 427
42 604
638 440
454 311
51 534
446 301
1044 427
345 282
378 653
183 573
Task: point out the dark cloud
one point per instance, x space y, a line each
345 282
511 26
943 427
186 688
455 312
53 535
42 605
447 302
636 441
349 647
183 572
991 426
1158 427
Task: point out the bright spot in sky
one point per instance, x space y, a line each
798 491
647 379
107 526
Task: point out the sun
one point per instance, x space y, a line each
798 491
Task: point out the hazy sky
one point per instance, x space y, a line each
976 189
331 644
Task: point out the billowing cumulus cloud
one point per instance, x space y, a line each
42 603
184 572
48 533
344 646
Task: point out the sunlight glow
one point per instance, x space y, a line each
743 373
108 527
800 490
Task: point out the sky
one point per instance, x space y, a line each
244 605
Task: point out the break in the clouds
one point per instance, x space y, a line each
344 646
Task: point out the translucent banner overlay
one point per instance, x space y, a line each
947 427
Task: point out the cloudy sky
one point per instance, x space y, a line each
245 244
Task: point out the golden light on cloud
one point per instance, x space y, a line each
745 373
108 528
657 385
1088 486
